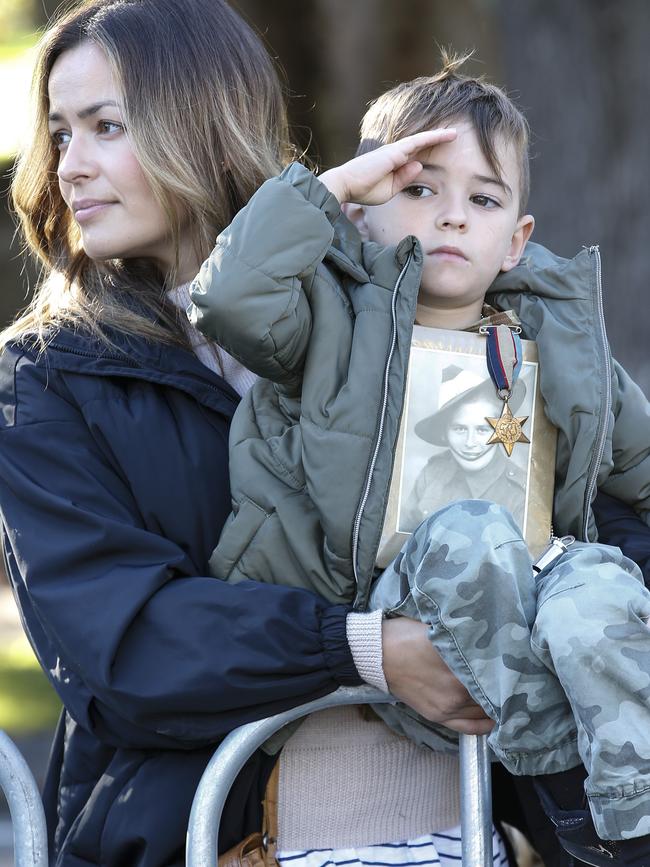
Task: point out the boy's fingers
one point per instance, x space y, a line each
411 144
405 174
429 138
404 149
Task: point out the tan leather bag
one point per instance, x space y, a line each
258 849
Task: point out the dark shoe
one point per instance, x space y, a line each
577 835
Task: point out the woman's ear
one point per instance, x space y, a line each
356 214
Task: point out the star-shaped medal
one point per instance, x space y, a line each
508 429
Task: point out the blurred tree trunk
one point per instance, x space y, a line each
583 74
339 55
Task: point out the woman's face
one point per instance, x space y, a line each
100 178
468 433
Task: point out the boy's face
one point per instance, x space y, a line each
465 217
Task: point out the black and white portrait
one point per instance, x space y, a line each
443 453
447 454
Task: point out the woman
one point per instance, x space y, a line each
156 121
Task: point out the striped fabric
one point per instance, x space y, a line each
442 849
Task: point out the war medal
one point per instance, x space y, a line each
503 356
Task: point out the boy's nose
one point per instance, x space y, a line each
451 220
452 215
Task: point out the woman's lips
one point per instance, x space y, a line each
84 212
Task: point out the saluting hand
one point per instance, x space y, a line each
375 177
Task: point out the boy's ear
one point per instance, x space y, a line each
356 214
522 233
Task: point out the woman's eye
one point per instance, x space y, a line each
417 191
485 201
60 137
109 126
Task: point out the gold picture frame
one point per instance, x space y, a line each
442 451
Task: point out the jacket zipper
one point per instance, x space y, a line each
382 419
606 404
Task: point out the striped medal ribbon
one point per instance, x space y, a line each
503 354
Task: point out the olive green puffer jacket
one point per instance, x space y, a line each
292 292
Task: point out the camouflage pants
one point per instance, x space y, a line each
560 661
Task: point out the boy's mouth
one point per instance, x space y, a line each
449 253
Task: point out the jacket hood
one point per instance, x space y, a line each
131 356
550 277
366 261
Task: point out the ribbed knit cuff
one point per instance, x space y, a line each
364 638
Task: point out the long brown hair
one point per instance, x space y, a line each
205 114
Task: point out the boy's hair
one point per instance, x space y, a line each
432 101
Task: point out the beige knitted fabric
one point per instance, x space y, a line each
350 781
364 634
213 356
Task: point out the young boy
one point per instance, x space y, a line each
324 313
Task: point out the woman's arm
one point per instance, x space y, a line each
142 651
618 524
629 480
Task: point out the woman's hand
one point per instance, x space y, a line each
375 177
416 675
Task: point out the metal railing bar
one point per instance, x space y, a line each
25 806
239 745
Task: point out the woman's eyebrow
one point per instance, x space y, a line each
85 112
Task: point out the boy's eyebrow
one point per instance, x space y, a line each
489 179
85 112
482 179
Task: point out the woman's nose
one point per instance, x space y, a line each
76 161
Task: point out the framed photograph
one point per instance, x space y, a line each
443 450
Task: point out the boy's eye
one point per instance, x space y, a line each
418 191
485 201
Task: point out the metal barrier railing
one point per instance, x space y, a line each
239 745
27 815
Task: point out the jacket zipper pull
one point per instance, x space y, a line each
553 551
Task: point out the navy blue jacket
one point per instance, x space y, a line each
113 491
619 525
